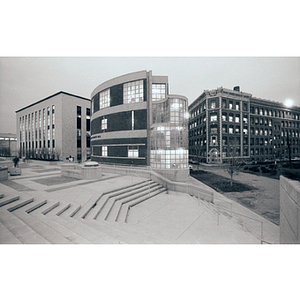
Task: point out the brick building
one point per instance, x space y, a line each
229 123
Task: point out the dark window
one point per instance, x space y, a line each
48 143
78 110
88 111
78 123
88 124
53 143
116 95
88 141
140 119
96 102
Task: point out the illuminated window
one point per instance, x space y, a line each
230 118
158 91
133 91
104 99
213 117
133 151
104 124
104 150
237 118
230 129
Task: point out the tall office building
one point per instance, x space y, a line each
136 122
229 123
55 128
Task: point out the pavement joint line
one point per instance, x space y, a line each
189 226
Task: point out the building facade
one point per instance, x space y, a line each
136 122
229 123
55 128
8 144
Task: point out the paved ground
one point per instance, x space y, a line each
172 217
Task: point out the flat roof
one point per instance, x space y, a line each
61 92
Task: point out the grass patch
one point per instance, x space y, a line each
55 180
220 183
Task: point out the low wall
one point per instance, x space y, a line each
3 173
80 172
289 211
181 187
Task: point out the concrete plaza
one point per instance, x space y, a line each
167 218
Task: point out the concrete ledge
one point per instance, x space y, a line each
5 202
3 173
15 171
81 172
20 205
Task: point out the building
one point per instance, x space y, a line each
229 123
55 128
136 122
8 144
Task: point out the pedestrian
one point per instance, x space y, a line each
16 161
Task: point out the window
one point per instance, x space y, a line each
104 124
224 117
158 91
213 104
237 119
230 129
230 104
230 118
104 99
237 106
104 151
133 92
78 117
213 117
88 119
237 129
133 151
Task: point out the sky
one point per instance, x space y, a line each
25 80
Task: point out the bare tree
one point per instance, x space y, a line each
232 167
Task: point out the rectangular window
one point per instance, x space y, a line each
237 119
224 117
230 104
158 91
104 151
230 129
213 117
230 118
133 151
104 124
104 99
133 91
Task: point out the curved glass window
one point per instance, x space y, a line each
169 135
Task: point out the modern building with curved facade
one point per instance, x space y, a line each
136 122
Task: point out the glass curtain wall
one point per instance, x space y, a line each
169 134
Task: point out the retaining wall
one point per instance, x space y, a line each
289 211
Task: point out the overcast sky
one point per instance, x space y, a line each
25 80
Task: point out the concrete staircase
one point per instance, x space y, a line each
24 220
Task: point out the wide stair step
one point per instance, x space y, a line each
112 209
8 200
125 207
109 201
6 237
69 235
96 204
24 233
46 231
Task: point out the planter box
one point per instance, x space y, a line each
15 171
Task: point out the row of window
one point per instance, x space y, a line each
130 92
132 151
274 113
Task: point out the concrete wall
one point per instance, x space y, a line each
289 211
3 173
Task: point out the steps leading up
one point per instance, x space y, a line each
24 233
8 200
6 237
94 207
68 233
